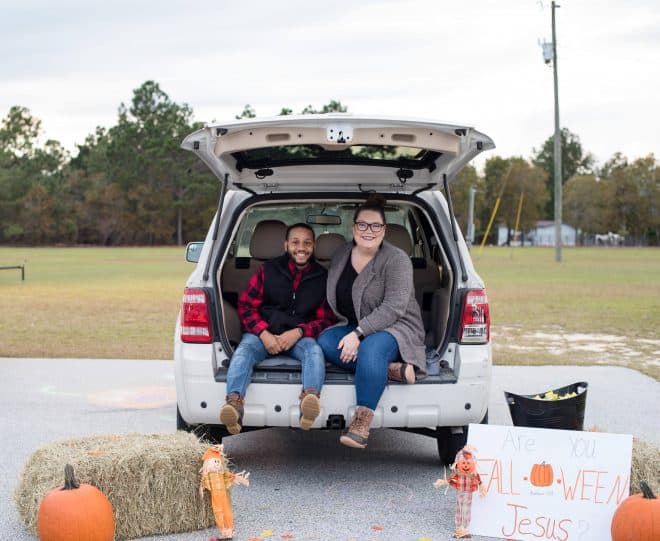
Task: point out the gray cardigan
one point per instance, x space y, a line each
384 299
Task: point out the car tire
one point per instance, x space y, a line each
210 433
451 441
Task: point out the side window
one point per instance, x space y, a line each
407 218
417 233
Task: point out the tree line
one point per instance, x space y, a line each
131 183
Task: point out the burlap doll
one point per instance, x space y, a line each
465 480
218 480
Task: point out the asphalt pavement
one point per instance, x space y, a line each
304 484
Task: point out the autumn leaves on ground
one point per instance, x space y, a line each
598 306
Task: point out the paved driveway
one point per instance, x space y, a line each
303 484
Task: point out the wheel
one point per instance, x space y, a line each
209 433
451 440
180 423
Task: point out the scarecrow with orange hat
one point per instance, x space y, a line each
465 480
218 480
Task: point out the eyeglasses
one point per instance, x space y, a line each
375 227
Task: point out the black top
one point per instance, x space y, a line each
344 293
283 307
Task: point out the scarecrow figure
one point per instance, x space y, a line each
218 480
465 480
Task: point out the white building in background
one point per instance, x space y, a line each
503 236
544 234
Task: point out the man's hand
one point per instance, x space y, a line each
349 346
288 339
440 483
270 342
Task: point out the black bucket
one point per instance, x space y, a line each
566 414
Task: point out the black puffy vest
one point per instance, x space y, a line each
282 308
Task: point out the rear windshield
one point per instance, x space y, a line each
295 213
383 155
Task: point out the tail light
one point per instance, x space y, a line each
475 319
195 318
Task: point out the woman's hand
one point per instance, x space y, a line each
349 346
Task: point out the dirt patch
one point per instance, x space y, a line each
555 343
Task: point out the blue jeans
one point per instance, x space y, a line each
251 351
375 353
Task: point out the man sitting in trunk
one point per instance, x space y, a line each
282 311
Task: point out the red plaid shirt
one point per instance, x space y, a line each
252 297
465 483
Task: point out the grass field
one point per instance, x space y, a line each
91 302
596 306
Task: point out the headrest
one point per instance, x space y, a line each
267 239
327 244
398 235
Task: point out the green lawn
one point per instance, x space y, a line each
597 306
602 290
123 302
91 302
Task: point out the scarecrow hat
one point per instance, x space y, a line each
213 452
466 453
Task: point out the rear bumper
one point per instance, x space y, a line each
200 397
401 406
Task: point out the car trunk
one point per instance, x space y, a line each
259 235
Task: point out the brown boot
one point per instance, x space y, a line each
310 407
401 372
231 414
462 533
357 433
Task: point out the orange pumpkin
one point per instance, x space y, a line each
75 511
542 475
637 518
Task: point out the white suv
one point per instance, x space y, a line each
316 169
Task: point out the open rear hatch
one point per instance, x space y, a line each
402 155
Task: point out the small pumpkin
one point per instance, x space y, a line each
637 518
541 475
75 511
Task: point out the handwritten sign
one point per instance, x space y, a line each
545 484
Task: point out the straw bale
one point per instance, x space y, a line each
645 466
151 480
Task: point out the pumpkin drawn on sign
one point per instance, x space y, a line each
541 475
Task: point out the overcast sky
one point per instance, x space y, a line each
73 62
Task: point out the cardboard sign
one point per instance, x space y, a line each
545 484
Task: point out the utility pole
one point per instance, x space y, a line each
558 190
470 224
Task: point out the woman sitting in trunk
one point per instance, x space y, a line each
380 333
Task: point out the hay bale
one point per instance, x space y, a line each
151 480
645 466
